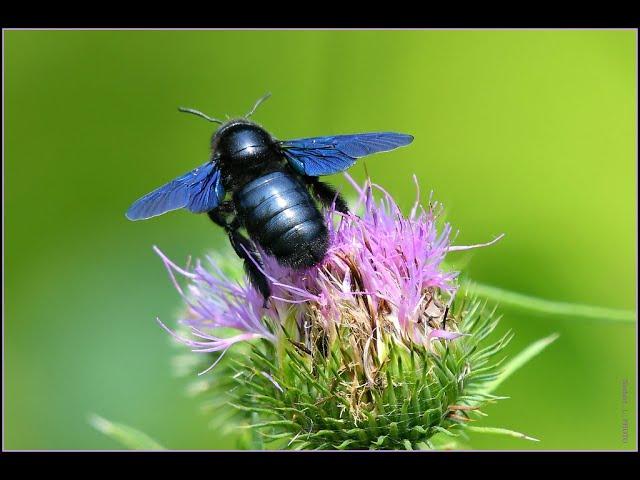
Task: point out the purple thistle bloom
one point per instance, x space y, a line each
382 275
215 302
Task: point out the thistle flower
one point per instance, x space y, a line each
376 347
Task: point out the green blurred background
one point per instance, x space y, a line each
531 133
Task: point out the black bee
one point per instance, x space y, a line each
267 187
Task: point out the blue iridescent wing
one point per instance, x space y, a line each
198 191
327 155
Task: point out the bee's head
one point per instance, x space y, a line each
239 140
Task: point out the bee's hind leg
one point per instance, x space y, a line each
244 248
326 194
252 260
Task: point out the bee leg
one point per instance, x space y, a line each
326 194
252 260
244 248
219 214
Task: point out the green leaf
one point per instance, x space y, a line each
521 359
501 431
127 436
506 297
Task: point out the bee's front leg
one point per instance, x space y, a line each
220 214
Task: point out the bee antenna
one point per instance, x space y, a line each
199 114
257 104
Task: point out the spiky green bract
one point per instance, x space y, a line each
408 397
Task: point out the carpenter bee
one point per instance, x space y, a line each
267 187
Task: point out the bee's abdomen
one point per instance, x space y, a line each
279 213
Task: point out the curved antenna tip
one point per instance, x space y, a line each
258 103
199 114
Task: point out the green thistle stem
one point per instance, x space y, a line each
506 297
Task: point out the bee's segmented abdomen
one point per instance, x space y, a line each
280 215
